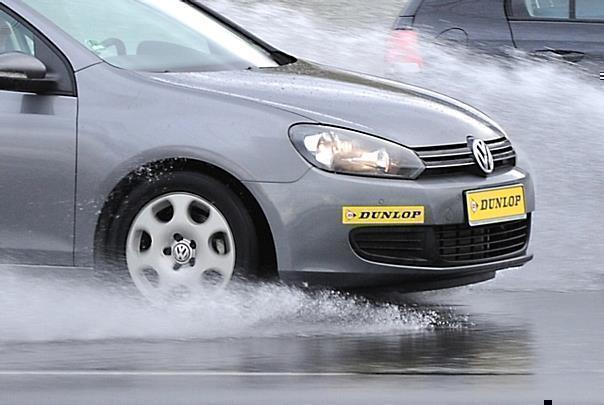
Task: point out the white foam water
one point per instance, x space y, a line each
37 308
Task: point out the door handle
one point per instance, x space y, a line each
560 54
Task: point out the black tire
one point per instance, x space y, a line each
110 256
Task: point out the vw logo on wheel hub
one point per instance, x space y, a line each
482 154
182 252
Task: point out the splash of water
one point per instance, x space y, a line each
41 308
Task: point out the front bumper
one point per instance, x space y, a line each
313 246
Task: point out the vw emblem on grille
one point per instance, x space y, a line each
182 253
482 154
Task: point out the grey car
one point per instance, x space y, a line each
158 140
566 30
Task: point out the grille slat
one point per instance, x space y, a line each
489 243
444 156
442 246
370 245
457 158
383 240
502 148
490 251
440 155
504 156
432 168
494 234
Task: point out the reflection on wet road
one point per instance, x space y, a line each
484 349
486 343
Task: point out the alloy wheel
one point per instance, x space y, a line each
180 246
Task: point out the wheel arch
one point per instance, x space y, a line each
146 172
455 36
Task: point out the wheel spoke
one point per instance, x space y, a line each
148 222
214 224
167 282
180 204
223 264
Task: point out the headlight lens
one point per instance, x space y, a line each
349 152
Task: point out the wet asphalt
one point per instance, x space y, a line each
495 346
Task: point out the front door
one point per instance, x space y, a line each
37 158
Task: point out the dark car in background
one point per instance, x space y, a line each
568 30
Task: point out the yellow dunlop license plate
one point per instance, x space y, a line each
383 215
496 205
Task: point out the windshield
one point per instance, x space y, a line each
153 35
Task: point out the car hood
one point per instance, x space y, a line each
405 114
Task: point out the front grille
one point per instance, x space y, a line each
442 246
392 245
457 158
469 244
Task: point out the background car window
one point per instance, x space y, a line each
541 9
14 37
590 9
548 8
153 35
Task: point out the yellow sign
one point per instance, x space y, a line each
383 215
496 205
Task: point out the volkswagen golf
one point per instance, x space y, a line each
157 140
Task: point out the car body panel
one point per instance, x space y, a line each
218 129
311 238
238 122
411 7
484 22
37 185
401 113
562 37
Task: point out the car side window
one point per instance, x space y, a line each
17 36
14 37
541 9
589 9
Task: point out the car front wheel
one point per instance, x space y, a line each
182 234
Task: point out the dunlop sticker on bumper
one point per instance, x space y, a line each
383 215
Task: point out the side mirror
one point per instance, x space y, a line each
24 73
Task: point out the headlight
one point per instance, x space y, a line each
348 152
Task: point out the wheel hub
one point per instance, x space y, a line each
183 252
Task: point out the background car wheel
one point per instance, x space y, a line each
180 235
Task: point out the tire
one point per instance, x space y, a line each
123 246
